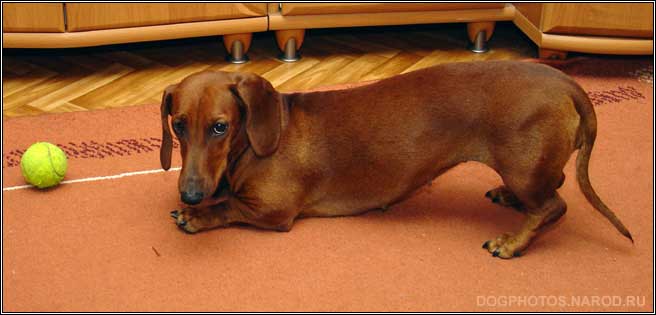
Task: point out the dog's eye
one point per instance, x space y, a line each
219 129
178 127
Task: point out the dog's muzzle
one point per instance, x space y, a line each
191 197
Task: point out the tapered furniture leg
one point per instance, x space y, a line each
479 34
290 41
552 54
237 46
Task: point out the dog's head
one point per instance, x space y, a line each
214 114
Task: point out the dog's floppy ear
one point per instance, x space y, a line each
263 109
167 140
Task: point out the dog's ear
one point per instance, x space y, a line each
263 108
167 140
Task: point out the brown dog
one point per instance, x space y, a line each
256 156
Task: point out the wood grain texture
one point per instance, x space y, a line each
350 8
599 44
529 28
278 21
607 19
80 87
531 11
133 34
32 17
584 44
51 81
96 16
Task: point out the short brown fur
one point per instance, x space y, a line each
344 152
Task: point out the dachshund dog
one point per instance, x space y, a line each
253 155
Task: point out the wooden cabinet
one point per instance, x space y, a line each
95 16
348 8
73 24
292 16
607 28
608 19
600 19
33 17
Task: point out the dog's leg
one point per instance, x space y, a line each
504 197
510 245
540 202
192 220
532 180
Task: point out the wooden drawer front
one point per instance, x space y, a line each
608 19
95 16
346 8
32 17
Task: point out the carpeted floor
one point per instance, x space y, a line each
108 244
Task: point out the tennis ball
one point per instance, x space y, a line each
43 165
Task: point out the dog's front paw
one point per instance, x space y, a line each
505 246
184 219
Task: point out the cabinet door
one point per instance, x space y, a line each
347 8
32 17
95 16
606 19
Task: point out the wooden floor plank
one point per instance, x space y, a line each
318 75
114 93
158 84
81 87
357 69
54 63
364 46
392 66
173 56
87 61
34 75
50 85
389 39
66 107
14 66
24 110
149 82
127 58
317 47
286 71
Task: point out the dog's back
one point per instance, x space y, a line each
397 134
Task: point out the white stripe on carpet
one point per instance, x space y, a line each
91 179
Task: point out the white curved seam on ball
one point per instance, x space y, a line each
52 164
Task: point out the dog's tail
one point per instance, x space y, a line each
587 133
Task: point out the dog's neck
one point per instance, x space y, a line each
240 145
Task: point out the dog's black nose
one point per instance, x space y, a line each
191 198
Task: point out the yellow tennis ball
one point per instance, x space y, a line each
43 165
